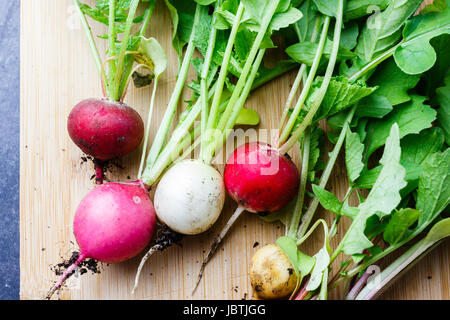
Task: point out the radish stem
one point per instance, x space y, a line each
302 190
307 86
359 285
224 70
323 89
112 37
90 38
147 130
299 77
171 107
204 81
116 94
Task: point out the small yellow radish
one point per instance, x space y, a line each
271 273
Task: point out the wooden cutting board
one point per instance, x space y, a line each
57 71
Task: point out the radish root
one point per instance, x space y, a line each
217 242
165 238
143 261
64 276
99 171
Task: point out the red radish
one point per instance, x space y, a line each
260 179
113 223
105 129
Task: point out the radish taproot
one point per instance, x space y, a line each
112 224
107 128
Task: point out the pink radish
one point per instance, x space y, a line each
113 223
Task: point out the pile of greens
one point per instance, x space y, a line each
388 105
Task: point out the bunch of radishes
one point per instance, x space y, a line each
116 221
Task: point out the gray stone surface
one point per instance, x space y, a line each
9 148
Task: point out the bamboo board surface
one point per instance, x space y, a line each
57 72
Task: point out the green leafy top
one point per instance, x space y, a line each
119 16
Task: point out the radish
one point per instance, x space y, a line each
195 211
113 223
190 196
107 128
271 273
259 177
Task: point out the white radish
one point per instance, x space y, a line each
190 197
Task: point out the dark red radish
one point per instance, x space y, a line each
105 130
260 179
112 224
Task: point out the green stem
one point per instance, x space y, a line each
279 70
333 228
123 48
90 38
374 63
204 82
326 174
147 130
153 171
167 120
168 154
147 16
112 39
307 86
222 133
302 190
300 74
325 83
243 87
292 93
330 165
212 119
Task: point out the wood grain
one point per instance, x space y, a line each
57 72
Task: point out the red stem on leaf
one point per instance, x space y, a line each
303 292
359 285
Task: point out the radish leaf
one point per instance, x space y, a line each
399 224
353 155
411 117
416 55
382 199
385 26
